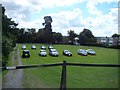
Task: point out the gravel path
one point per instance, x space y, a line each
13 78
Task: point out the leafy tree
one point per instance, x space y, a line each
86 37
40 36
57 37
48 29
8 36
72 35
116 35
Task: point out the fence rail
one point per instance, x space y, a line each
30 66
94 65
63 64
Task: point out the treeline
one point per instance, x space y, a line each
8 36
31 36
84 38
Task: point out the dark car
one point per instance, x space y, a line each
33 47
50 47
67 53
23 47
25 54
43 47
53 52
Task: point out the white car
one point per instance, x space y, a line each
82 52
42 53
50 47
91 52
43 47
23 47
53 52
33 47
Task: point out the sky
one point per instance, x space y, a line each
99 16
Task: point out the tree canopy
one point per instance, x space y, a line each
86 37
9 32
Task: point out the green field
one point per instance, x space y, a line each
77 77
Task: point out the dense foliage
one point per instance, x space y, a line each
9 32
86 37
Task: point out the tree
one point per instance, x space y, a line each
48 29
86 37
57 37
40 36
116 38
9 33
72 35
116 35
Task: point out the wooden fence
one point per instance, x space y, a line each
63 64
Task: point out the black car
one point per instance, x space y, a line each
43 47
25 54
33 47
67 53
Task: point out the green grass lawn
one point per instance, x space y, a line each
77 77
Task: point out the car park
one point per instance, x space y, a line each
25 54
23 47
33 47
43 47
91 52
82 52
67 53
53 52
42 52
50 47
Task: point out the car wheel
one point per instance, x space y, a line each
22 56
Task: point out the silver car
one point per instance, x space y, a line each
82 52
42 53
91 52
53 52
23 47
43 47
33 47
67 53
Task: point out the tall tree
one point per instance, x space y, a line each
8 36
48 29
86 37
72 35
57 37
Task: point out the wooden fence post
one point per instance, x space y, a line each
63 77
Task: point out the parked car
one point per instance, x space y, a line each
42 52
82 52
67 53
50 47
25 54
91 52
43 47
23 47
53 52
33 47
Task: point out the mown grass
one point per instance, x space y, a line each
77 77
